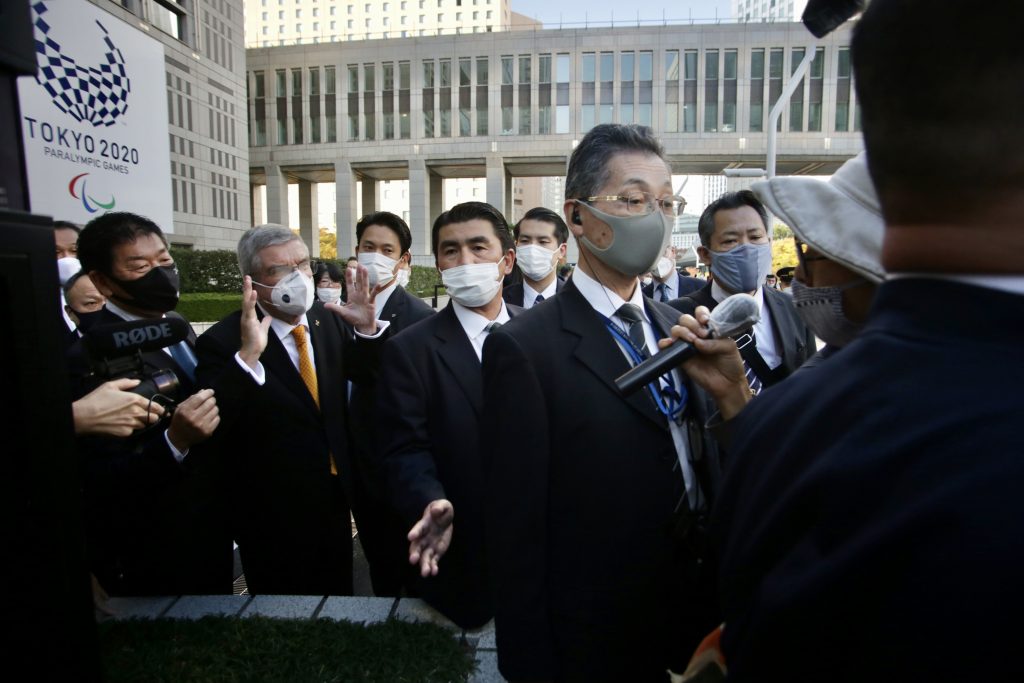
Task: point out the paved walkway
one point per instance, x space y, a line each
355 609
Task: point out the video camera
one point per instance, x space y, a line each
115 351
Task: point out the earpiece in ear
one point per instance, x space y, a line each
576 218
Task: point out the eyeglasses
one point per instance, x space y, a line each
639 203
801 254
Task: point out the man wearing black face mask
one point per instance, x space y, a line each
143 494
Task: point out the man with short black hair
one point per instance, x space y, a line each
578 469
145 493
383 241
429 406
736 245
541 237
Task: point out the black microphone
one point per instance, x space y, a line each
735 315
124 339
821 17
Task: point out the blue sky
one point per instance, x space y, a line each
569 11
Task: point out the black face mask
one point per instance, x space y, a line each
157 290
87 320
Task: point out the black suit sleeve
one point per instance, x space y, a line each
518 462
403 405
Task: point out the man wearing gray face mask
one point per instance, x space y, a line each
838 230
736 247
576 468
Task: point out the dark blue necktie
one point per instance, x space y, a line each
663 291
182 355
540 297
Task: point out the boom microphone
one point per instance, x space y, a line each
124 339
735 315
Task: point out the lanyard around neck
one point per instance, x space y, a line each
666 396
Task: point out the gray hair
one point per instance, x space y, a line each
256 240
588 166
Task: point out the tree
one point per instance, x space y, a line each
328 244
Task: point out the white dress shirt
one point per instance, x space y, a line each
530 294
607 303
473 324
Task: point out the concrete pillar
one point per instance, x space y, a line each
309 223
345 208
277 196
497 183
371 195
257 194
420 215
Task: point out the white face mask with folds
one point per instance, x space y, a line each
474 284
535 261
381 264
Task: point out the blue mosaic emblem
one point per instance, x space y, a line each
93 94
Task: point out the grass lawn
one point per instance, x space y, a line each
227 649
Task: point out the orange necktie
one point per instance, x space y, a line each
308 374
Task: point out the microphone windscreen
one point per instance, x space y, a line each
735 314
125 338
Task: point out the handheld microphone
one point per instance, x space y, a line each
124 339
735 315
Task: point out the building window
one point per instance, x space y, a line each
757 90
843 73
729 91
796 102
671 91
815 91
690 91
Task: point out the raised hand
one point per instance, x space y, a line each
359 311
253 330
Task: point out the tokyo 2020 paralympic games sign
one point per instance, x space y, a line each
94 118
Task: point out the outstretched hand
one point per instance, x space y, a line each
717 367
359 310
430 537
112 410
253 330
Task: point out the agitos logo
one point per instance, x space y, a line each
97 94
77 189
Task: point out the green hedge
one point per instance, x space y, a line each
208 271
208 307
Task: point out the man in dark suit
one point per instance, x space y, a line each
870 524
540 237
429 405
280 367
383 241
668 283
736 246
597 500
153 524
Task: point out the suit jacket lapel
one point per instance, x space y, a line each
457 354
784 328
598 350
394 307
275 360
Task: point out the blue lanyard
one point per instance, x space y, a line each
670 402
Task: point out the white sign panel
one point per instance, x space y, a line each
94 119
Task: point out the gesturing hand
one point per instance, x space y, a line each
194 420
253 330
430 537
359 310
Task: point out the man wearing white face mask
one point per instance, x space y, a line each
541 237
429 404
668 283
383 241
280 367
737 248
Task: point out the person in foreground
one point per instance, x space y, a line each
879 537
597 500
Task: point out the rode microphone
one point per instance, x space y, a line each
127 338
821 17
736 315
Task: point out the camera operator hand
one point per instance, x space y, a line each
194 420
253 330
111 410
